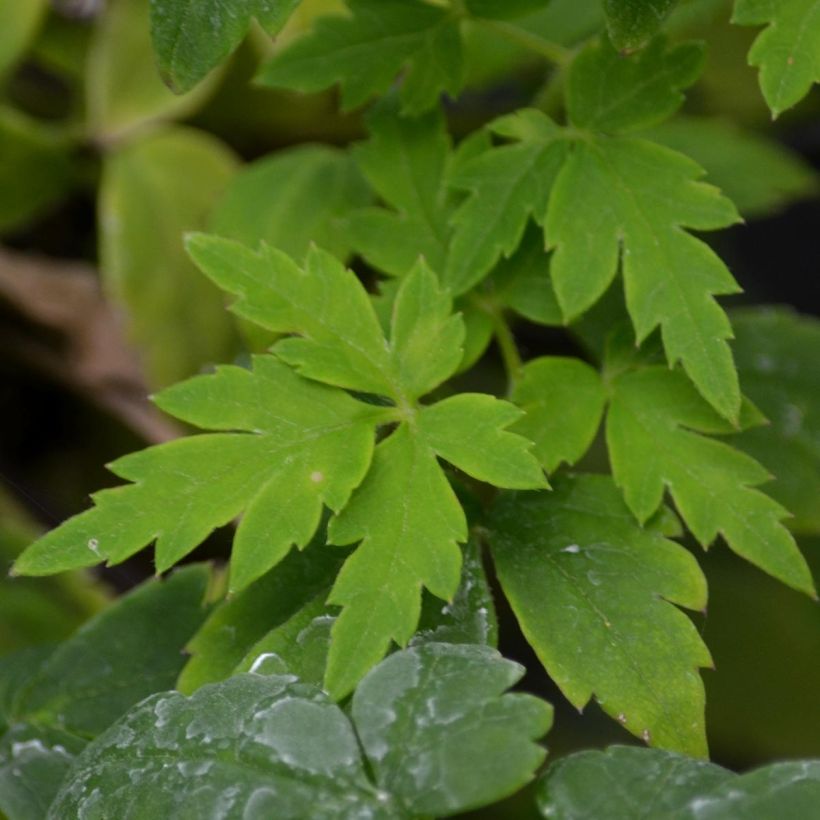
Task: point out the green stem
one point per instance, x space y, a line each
509 349
553 52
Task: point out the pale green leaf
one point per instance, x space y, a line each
593 593
470 431
507 185
304 445
123 90
756 172
118 657
152 190
364 51
409 523
18 24
670 277
631 23
191 37
623 783
563 399
239 623
439 732
654 437
777 359
611 93
787 51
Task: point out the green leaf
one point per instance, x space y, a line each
503 9
18 24
776 352
123 90
406 162
759 174
611 93
653 433
153 190
292 198
593 593
469 431
431 721
631 23
670 277
33 763
118 657
191 37
626 783
507 185
364 51
563 400
470 617
239 623
440 734
304 442
409 523
787 51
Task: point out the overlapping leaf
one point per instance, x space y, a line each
429 720
631 23
787 51
653 432
364 51
593 593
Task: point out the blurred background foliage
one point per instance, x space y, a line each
102 170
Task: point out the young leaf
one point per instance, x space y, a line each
364 51
482 448
303 442
631 23
610 93
653 433
758 173
119 657
623 783
152 190
409 523
507 185
265 746
787 51
406 163
467 745
776 352
593 593
193 36
239 623
670 277
564 401
292 198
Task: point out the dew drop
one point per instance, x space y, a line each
572 548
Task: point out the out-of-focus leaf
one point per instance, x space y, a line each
632 23
18 23
123 89
503 9
292 198
153 190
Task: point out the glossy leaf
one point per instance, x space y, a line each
593 593
191 37
364 51
654 436
152 191
787 51
631 23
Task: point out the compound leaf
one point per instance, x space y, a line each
440 734
364 51
610 93
787 51
593 593
653 433
193 36
409 522
670 277
469 431
563 399
632 23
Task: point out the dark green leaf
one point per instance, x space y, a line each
631 23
